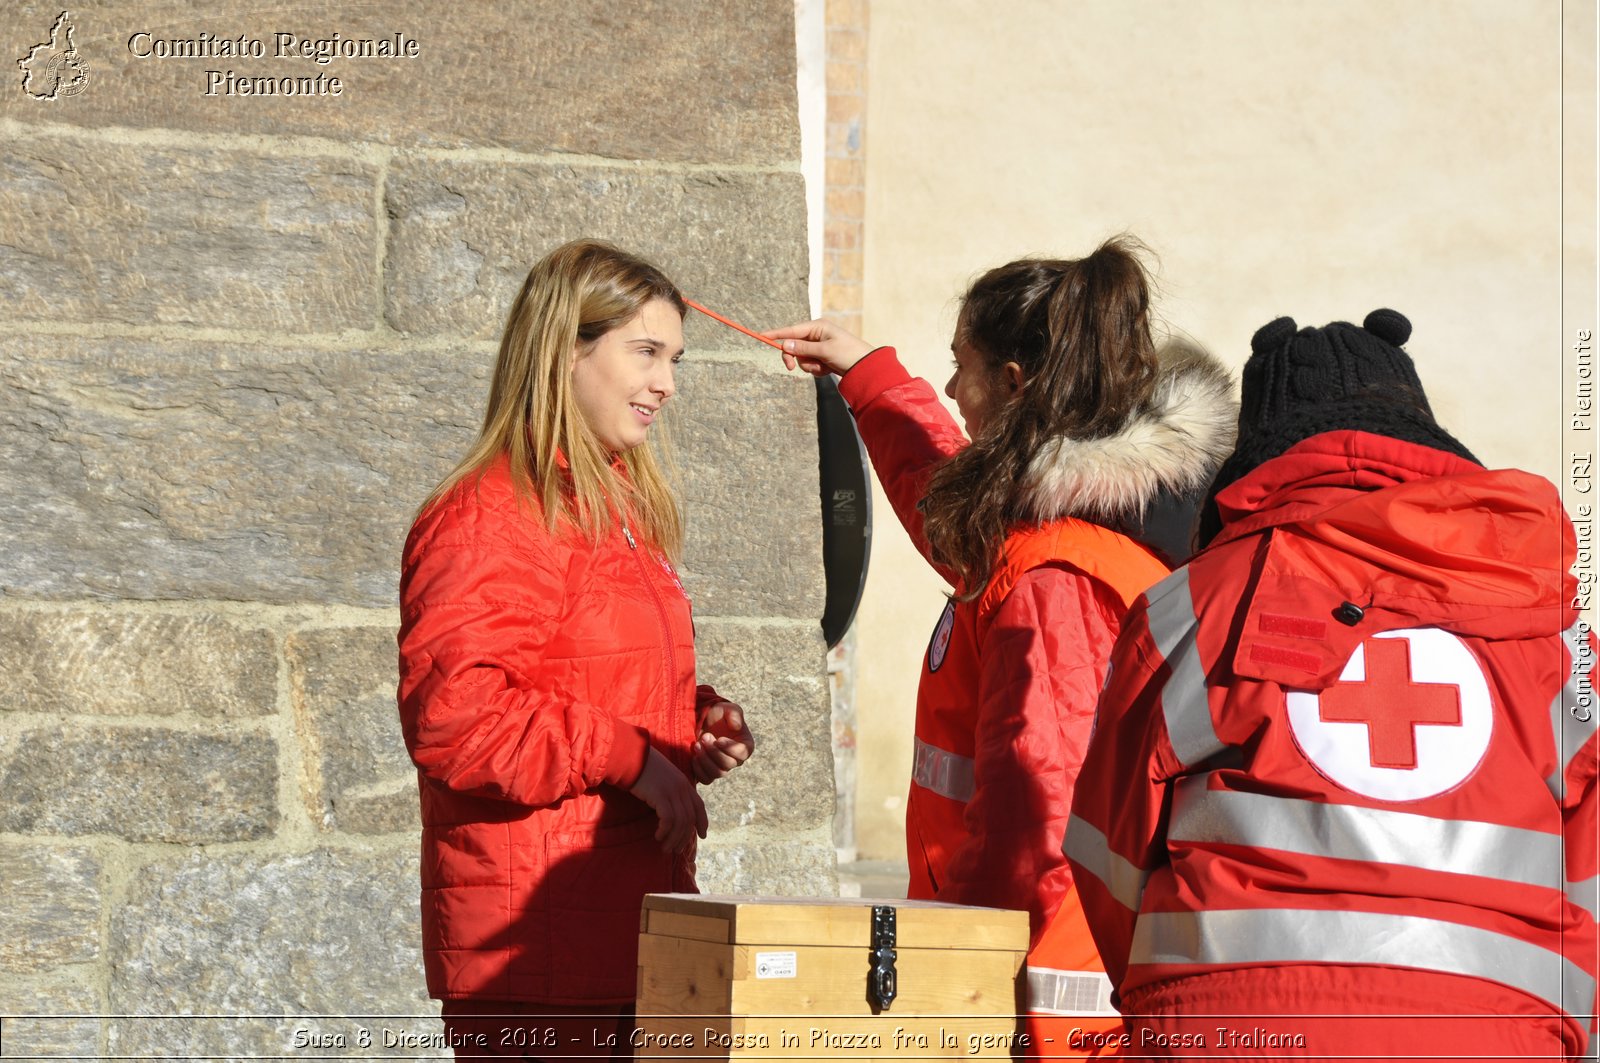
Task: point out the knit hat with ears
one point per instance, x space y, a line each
1301 382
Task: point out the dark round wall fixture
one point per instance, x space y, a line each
846 509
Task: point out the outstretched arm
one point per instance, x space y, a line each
819 347
907 430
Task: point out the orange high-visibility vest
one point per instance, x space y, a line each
1067 986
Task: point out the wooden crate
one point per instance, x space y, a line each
724 978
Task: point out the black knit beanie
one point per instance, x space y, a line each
1302 382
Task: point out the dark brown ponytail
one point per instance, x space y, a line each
1080 331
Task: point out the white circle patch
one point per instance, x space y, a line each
1409 717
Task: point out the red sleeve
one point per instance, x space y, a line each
907 432
477 716
1116 835
1041 660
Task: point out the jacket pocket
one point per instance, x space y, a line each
594 886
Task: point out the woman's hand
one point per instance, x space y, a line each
725 742
819 347
677 804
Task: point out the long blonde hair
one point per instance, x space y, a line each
576 294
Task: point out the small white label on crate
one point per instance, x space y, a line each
776 964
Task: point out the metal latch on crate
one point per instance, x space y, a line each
881 980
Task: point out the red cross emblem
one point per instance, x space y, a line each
1410 717
1391 703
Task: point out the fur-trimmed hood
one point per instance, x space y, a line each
1170 448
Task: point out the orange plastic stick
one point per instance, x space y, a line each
734 325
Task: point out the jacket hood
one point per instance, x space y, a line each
1413 536
1172 447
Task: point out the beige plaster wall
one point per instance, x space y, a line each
1303 157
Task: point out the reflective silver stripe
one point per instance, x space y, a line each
1586 895
945 773
1573 714
1088 847
1183 699
1347 832
1283 935
1053 992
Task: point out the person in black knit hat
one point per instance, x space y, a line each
1300 382
1341 794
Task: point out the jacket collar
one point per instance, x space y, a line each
1171 447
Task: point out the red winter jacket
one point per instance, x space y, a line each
1346 763
985 820
535 671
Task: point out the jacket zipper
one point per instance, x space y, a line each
666 622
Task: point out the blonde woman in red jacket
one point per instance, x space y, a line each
1077 431
547 675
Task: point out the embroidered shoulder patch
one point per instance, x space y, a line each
939 645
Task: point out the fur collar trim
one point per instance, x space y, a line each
1173 446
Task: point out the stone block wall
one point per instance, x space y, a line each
242 337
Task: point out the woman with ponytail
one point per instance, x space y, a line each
1078 431
547 676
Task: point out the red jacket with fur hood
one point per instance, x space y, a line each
1017 693
535 671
